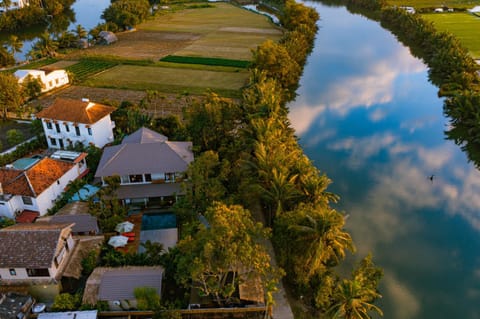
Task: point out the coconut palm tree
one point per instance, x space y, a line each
45 46
15 44
320 234
80 32
353 301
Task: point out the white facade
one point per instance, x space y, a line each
16 4
59 261
49 80
61 134
10 204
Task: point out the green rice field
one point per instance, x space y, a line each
172 80
435 3
465 26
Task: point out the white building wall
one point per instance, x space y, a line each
48 197
21 274
9 208
101 133
55 79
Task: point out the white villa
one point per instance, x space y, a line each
38 184
151 168
16 4
50 79
67 122
34 253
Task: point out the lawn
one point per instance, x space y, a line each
464 26
172 80
24 128
435 3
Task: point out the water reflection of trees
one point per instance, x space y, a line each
451 68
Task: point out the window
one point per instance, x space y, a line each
77 130
60 142
41 272
49 125
56 81
169 177
53 141
67 128
89 129
12 272
27 200
57 127
148 177
124 179
136 178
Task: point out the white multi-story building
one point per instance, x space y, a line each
67 122
49 79
37 186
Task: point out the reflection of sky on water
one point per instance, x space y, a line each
367 116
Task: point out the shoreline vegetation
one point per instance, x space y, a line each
248 163
450 67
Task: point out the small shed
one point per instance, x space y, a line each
107 37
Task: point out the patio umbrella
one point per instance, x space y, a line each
124 227
118 241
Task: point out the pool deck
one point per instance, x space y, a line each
132 247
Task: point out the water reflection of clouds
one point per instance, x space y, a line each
373 85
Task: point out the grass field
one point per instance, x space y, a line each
436 3
225 31
170 80
465 26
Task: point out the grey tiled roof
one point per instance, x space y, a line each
145 158
31 246
119 283
83 222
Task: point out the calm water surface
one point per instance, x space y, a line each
87 14
368 117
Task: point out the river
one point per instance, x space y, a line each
87 14
368 117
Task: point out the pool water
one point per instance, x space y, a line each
151 221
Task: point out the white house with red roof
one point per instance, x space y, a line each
67 122
34 253
49 79
36 187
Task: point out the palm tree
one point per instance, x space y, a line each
45 45
80 32
15 44
319 231
353 301
6 4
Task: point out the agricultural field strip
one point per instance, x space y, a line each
464 26
435 3
135 76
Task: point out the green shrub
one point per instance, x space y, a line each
206 61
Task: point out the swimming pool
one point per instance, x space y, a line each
151 221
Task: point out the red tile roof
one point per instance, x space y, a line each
46 172
35 180
76 111
27 216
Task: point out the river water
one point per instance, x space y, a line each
368 117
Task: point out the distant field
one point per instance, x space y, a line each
225 31
172 80
465 26
436 3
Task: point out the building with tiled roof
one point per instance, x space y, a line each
39 186
34 252
49 79
68 122
149 165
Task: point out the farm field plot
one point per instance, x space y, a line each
464 26
216 31
170 80
435 3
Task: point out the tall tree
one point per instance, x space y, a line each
224 253
80 32
15 44
11 94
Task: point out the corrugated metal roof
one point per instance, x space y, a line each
83 222
90 314
119 283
